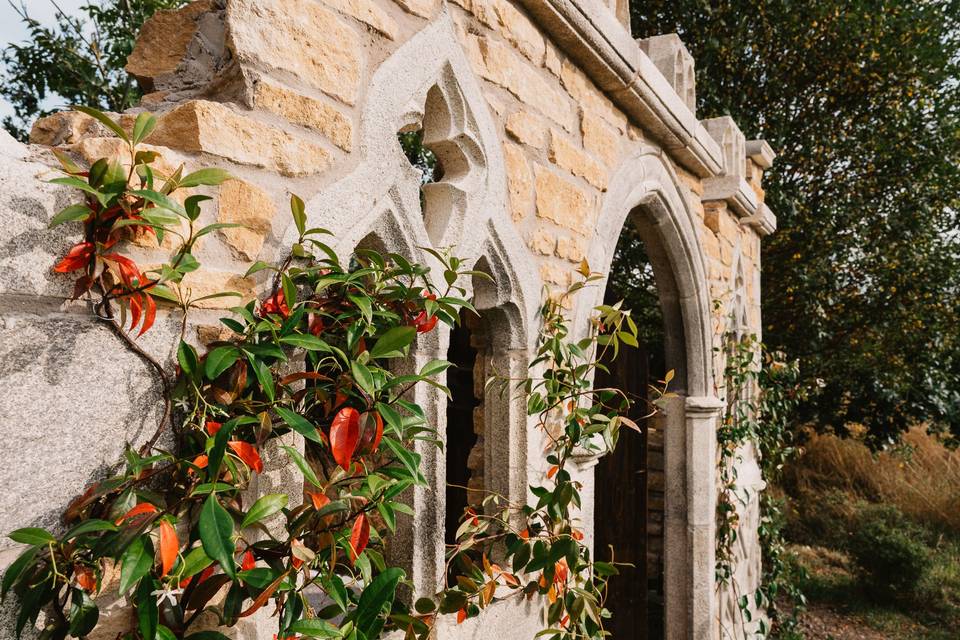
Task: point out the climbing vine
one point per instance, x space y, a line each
761 399
306 378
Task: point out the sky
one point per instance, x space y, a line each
12 28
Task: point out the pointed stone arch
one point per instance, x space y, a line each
646 192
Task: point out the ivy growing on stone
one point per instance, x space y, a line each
306 378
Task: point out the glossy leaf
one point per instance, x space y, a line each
216 534
264 507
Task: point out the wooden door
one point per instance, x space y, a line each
621 503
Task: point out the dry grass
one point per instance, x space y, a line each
921 477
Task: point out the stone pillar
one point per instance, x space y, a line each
701 415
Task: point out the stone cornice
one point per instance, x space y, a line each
591 35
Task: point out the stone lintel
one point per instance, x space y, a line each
761 153
763 221
733 190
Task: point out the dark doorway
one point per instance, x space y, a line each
629 503
461 415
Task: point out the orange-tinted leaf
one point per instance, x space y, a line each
359 537
318 499
248 453
85 577
264 595
169 547
553 471
136 308
344 436
213 427
511 579
139 510
577 535
77 258
150 315
461 615
525 534
248 562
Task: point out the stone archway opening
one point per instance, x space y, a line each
631 519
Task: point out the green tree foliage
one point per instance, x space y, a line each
80 58
861 101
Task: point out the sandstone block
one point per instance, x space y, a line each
305 111
542 241
300 37
566 156
164 42
600 139
422 8
711 215
571 249
65 127
497 63
368 13
551 60
243 203
519 181
588 96
561 201
204 282
511 23
212 127
527 128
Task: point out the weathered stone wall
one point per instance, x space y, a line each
538 138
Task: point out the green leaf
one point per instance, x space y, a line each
305 341
104 119
299 424
219 360
217 225
90 526
207 635
289 290
194 562
211 176
160 200
315 628
265 507
143 127
215 454
362 376
434 367
68 214
32 535
148 612
163 633
363 303
259 265
264 377
299 213
83 613
304 466
374 599
136 562
187 357
12 575
393 342
216 534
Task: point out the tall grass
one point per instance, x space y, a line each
921 476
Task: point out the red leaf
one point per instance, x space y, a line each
151 314
136 308
315 324
424 323
359 537
85 577
77 258
248 453
248 562
213 427
200 461
319 500
344 436
275 304
264 595
461 615
169 547
139 510
553 470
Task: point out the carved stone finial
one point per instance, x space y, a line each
668 53
732 142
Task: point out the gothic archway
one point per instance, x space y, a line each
645 192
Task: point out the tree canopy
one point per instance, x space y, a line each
861 101
80 58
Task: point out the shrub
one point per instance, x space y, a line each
890 551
